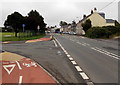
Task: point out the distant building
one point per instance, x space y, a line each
97 20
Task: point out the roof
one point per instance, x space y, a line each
102 14
110 21
85 18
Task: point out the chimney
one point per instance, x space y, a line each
91 11
95 9
84 16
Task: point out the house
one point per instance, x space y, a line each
97 20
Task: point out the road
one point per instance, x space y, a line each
98 58
50 57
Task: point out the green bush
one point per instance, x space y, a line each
102 32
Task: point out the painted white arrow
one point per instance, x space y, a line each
9 66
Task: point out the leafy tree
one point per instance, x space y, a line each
63 24
15 21
86 25
34 20
73 25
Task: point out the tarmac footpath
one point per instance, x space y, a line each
17 69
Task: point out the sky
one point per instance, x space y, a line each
55 11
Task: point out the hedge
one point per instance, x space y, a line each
102 32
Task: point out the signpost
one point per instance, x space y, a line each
38 28
23 25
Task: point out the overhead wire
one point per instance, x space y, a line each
107 5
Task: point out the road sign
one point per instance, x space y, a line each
38 28
23 25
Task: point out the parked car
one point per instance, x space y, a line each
65 32
72 33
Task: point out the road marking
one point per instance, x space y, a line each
90 83
83 44
55 43
83 37
18 65
73 62
70 58
5 62
9 66
86 44
68 55
78 68
84 76
105 52
20 80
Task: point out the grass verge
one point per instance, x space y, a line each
7 36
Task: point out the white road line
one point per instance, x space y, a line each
68 55
20 80
87 44
71 58
83 44
84 76
55 43
82 37
18 65
9 66
78 68
90 83
73 62
106 53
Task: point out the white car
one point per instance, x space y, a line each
72 33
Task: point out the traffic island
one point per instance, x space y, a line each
17 69
38 40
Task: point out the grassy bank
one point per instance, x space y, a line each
10 36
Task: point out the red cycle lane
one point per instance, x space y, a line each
25 70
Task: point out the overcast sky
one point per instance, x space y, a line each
56 10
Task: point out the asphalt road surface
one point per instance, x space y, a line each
97 57
50 57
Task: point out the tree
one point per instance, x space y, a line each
34 20
86 25
63 24
73 25
15 21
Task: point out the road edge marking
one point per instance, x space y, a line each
79 70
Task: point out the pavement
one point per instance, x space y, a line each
19 69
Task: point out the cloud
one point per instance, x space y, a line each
56 10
